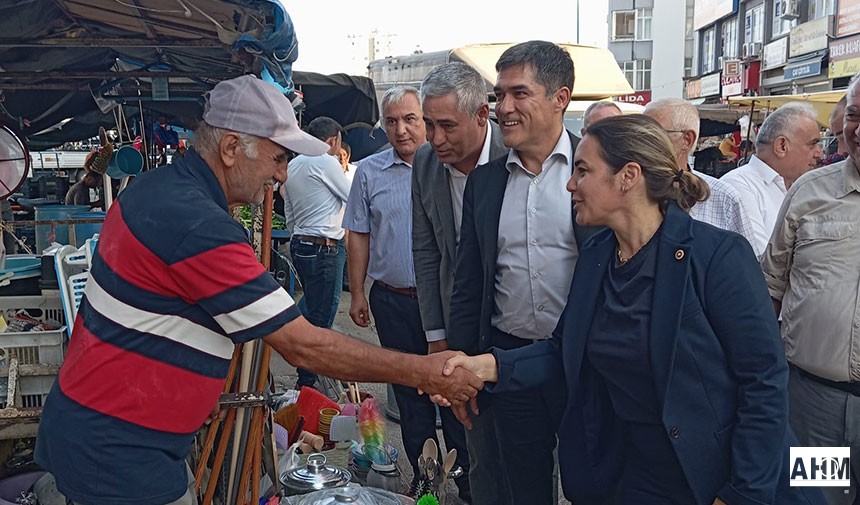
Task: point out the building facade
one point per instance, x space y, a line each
640 29
773 47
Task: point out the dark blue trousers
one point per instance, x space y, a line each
398 322
526 425
320 270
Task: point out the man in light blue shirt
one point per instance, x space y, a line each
314 196
379 218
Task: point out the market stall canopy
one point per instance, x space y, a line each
66 64
824 102
597 73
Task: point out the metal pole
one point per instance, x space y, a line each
577 21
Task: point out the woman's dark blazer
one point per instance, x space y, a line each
718 365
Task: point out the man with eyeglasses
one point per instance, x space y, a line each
787 146
723 207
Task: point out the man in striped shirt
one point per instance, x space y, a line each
173 286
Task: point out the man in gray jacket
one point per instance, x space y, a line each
460 137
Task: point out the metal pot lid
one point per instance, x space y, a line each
350 495
316 475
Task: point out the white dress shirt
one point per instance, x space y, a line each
314 196
536 247
762 191
457 183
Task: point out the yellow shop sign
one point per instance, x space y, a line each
843 68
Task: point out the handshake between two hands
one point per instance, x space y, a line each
458 383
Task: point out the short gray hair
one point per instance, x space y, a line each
396 94
459 79
596 106
784 122
682 114
207 138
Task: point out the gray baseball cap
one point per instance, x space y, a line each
249 105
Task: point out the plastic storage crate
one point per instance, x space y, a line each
34 389
43 347
39 353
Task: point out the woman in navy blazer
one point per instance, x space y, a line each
675 371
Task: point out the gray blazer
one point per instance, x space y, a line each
434 245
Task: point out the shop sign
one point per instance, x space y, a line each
693 89
732 68
639 98
775 54
843 68
710 85
706 12
809 37
801 71
848 18
732 86
844 55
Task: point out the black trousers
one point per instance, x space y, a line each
398 322
526 426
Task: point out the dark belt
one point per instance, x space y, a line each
315 240
411 292
852 388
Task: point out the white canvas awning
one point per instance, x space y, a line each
597 74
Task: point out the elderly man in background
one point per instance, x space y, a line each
837 120
787 146
811 270
153 339
460 137
314 194
597 111
723 207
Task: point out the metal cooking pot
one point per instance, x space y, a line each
316 475
349 496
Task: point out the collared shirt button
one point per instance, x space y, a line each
675 432
534 241
536 275
540 308
534 210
